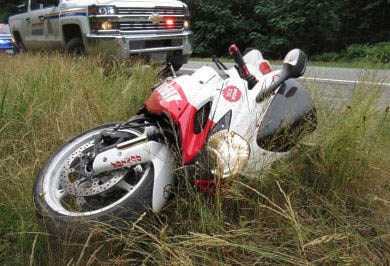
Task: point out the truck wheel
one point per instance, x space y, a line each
18 45
75 46
177 67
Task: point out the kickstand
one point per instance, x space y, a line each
172 70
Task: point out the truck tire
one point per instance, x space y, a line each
75 46
18 45
177 67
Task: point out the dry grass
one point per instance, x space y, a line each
328 204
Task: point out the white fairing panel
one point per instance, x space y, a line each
232 94
148 151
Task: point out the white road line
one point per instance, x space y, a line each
328 80
347 81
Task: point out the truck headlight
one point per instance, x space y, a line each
102 10
107 25
186 23
103 25
229 152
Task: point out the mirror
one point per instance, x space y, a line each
294 66
294 63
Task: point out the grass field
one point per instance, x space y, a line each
327 204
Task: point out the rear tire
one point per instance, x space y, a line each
61 210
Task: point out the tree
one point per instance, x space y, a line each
7 8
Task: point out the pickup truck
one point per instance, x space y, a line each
156 30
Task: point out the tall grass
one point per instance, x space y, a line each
327 204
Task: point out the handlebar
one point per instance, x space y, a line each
243 69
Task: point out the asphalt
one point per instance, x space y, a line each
330 84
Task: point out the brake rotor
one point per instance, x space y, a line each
83 186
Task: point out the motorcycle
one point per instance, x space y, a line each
219 123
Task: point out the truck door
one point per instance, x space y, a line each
43 24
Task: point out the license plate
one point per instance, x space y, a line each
158 57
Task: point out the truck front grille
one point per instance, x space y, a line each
147 25
148 11
138 19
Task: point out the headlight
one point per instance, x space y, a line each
104 25
102 10
230 152
186 23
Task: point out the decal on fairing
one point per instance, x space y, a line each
168 98
126 161
231 93
276 76
169 93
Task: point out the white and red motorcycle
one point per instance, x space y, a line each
219 123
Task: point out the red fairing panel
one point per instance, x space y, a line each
192 143
170 99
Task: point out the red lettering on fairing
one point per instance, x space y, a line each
168 98
129 160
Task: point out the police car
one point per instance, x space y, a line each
6 43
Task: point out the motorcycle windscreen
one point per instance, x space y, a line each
290 116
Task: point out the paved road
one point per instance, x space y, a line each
331 83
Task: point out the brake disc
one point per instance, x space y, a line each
74 183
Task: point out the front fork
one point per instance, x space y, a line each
142 149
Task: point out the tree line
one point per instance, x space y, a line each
276 26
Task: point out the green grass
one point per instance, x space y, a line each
327 204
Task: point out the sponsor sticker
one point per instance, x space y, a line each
232 93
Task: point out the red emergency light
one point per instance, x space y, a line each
169 22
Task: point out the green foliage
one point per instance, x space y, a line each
377 53
216 23
275 27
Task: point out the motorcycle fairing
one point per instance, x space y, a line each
181 100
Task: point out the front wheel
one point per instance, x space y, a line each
66 195
75 46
